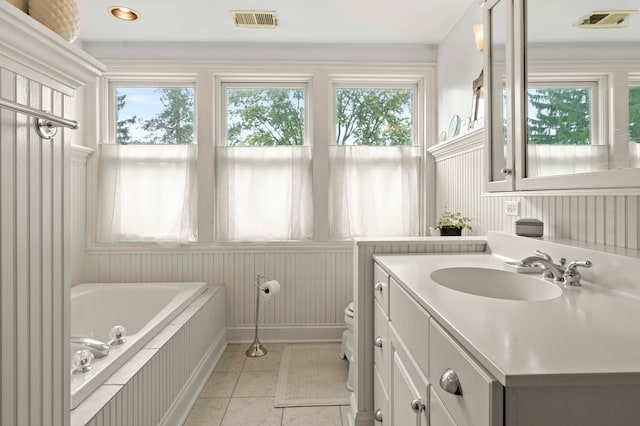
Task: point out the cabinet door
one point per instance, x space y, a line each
380 400
403 393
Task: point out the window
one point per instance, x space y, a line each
563 129
154 115
238 154
148 170
264 164
374 164
265 116
374 117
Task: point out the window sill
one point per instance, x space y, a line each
230 247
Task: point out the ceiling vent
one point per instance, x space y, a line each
605 19
255 18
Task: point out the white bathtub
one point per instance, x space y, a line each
142 308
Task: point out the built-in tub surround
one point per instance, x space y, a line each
142 309
159 384
570 359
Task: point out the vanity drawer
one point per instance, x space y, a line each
381 287
382 345
480 401
411 323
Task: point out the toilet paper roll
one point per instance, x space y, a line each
270 289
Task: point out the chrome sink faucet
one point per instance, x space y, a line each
560 274
550 269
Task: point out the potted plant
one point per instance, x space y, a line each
452 224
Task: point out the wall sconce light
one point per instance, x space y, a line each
478 33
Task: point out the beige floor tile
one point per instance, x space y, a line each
268 362
207 412
220 385
312 416
275 347
252 412
237 347
256 384
231 361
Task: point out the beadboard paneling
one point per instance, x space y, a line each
316 287
34 258
611 220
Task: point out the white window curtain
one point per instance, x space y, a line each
373 191
147 193
634 155
264 193
552 160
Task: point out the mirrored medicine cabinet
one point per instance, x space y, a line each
562 84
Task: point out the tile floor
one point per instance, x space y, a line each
241 390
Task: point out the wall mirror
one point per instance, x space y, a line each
575 91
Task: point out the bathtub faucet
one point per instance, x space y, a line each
98 349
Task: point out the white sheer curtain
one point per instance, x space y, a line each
147 193
634 155
264 193
373 191
552 160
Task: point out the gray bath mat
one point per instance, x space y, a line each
312 374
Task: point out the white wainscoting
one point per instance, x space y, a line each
316 286
35 286
595 218
40 70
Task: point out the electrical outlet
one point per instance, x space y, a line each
512 208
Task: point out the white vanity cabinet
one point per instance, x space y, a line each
411 353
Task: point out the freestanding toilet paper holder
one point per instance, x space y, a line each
256 349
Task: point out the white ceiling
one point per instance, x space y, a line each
300 21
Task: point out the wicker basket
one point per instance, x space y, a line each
60 16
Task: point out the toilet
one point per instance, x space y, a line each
346 350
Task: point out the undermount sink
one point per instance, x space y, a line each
496 283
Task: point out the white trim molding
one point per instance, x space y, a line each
459 145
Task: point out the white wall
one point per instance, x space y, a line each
459 63
261 51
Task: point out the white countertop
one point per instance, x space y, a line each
588 335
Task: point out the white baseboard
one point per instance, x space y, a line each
179 410
301 333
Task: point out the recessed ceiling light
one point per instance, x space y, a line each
124 13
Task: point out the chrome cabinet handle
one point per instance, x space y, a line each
505 171
378 415
450 383
378 342
379 286
418 406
